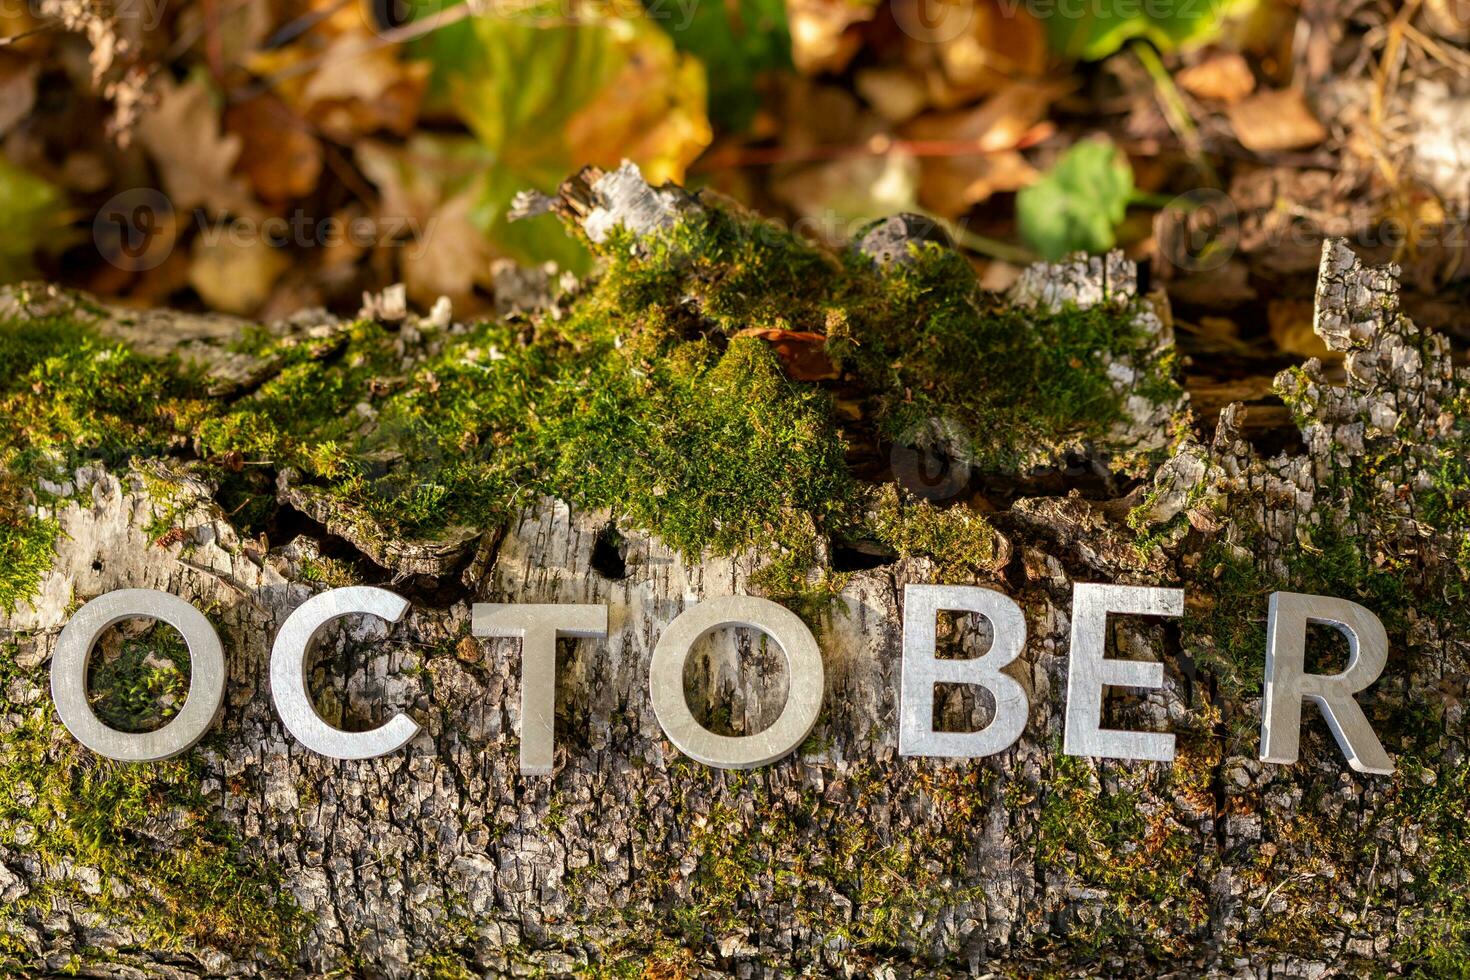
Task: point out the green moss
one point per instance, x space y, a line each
144 682
27 546
67 397
959 540
1437 943
647 398
165 868
1145 865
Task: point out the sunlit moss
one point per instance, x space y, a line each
135 844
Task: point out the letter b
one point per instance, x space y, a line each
923 669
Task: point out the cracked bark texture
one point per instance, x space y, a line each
843 858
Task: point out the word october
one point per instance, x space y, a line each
1089 674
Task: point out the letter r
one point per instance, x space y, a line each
1287 684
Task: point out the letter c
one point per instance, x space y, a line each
289 674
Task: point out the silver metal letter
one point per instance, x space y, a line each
538 626
1286 684
922 670
804 690
1089 672
73 653
289 675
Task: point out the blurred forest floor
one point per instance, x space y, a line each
258 157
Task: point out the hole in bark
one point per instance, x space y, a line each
735 681
610 554
138 678
962 636
861 556
962 707
1270 430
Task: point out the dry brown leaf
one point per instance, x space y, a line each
803 353
835 198
969 49
17 90
951 182
1290 324
234 273
281 158
238 27
820 37
1277 119
355 86
450 256
195 158
1225 77
894 93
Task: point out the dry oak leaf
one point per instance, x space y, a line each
1225 77
235 274
1276 119
279 155
195 159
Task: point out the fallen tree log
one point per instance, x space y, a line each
262 467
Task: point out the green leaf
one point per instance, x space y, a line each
545 94
1092 31
738 41
31 214
1078 203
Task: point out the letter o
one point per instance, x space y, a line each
73 655
804 691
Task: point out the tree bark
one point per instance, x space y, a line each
844 858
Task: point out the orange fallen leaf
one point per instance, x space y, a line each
1225 77
803 353
1277 119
